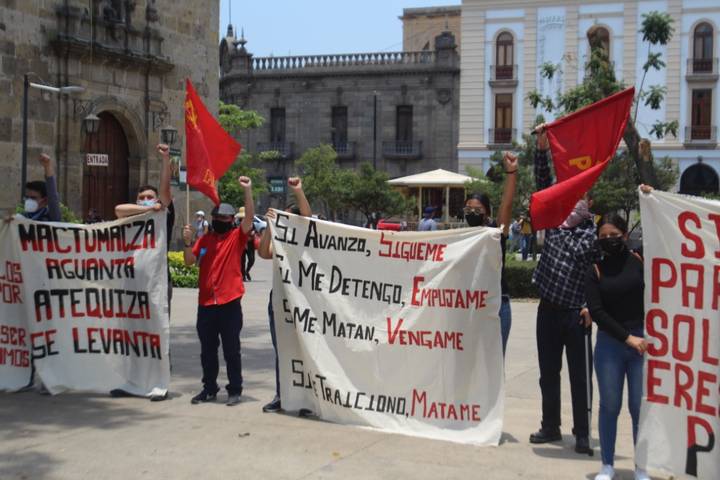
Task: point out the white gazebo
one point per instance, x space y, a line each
435 179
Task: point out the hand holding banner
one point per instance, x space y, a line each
397 331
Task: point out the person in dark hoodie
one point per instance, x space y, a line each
562 319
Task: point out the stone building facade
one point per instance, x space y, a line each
132 58
422 25
505 42
396 110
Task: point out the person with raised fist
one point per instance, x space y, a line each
220 315
265 251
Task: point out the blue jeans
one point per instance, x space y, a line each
526 243
505 321
613 362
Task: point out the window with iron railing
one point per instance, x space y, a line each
504 56
701 117
503 118
703 48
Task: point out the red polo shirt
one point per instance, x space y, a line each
221 278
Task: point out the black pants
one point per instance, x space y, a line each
248 260
559 328
224 322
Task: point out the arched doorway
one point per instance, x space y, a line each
106 186
698 180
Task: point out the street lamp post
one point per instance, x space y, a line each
27 84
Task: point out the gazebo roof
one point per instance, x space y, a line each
434 178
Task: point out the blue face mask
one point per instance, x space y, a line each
147 203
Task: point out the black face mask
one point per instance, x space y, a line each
475 219
221 227
612 245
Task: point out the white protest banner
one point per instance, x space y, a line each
393 330
15 367
94 302
680 414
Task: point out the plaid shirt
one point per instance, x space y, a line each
566 255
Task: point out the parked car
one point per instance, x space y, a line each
393 223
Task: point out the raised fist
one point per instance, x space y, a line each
245 182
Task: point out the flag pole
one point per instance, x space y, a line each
187 203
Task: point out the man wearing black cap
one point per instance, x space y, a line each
221 289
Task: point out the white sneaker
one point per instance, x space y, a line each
607 472
641 474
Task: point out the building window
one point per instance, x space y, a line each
701 128
703 48
504 56
277 126
339 125
503 118
599 38
404 125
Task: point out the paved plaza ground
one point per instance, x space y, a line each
80 436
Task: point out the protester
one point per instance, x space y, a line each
220 313
428 223
148 199
248 258
265 251
615 289
41 198
561 320
93 217
201 225
41 204
477 213
515 236
526 233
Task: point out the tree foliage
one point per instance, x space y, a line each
335 191
600 82
233 119
370 192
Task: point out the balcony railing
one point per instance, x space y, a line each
701 134
260 64
285 149
501 136
499 73
344 150
402 150
702 69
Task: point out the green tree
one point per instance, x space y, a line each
325 184
616 190
599 82
233 119
492 183
370 193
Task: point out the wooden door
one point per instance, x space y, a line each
701 114
106 186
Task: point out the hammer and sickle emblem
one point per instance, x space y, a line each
190 113
583 163
209 178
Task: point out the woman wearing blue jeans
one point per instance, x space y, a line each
477 214
614 290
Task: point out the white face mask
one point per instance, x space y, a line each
147 203
31 205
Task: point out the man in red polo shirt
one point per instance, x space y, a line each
221 289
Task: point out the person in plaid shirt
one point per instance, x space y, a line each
561 319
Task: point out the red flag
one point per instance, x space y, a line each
582 144
209 149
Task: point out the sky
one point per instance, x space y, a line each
307 27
